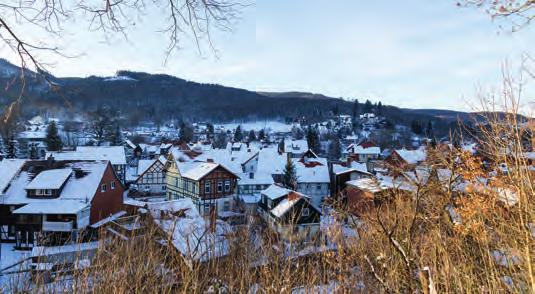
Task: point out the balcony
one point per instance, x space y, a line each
57 226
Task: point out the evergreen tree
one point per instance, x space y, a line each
115 137
379 108
186 132
220 141
261 135
356 108
53 140
334 149
429 129
252 136
368 106
238 135
289 177
313 140
210 129
416 127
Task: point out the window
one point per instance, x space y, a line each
43 192
103 188
226 206
219 187
164 188
305 212
318 187
207 187
112 185
227 186
207 208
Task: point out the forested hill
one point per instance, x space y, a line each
141 96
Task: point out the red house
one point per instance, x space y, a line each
48 202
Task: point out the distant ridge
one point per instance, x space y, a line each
139 96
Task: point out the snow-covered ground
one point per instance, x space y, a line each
9 257
274 126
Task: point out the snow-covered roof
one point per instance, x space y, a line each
9 168
81 188
354 166
144 164
50 179
412 156
191 234
53 206
295 146
285 205
257 179
366 184
375 185
275 191
314 170
198 170
114 154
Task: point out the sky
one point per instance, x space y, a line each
414 53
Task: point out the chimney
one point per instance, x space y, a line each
210 160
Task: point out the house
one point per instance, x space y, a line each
114 154
313 178
403 158
210 185
150 181
296 148
361 195
345 121
290 214
188 232
365 151
345 172
49 202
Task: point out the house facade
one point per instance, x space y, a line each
151 180
290 214
210 185
53 202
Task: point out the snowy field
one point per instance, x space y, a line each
274 126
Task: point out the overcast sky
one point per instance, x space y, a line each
419 54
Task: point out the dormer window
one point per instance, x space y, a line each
43 192
103 188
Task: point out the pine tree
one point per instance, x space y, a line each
379 108
116 138
429 129
356 107
313 140
238 135
53 140
334 149
261 135
368 106
289 177
416 127
186 132
252 136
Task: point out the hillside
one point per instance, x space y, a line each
142 96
